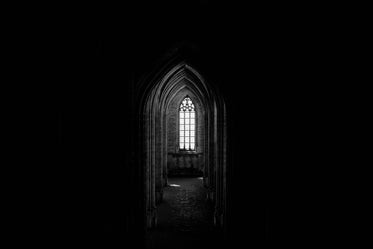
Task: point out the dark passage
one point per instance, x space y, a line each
185 217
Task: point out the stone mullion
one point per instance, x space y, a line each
220 168
147 170
158 157
224 163
152 176
217 171
206 153
212 159
165 149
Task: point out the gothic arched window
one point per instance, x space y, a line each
187 129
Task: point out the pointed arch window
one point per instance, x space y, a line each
187 125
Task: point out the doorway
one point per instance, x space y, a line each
184 163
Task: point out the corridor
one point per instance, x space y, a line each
185 218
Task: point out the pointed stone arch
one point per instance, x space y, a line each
161 90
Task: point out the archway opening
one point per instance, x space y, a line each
184 160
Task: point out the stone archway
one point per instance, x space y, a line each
161 93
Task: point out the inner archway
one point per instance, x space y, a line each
171 149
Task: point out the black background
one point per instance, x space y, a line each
274 66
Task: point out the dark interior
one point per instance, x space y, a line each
269 64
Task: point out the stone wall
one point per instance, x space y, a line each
180 164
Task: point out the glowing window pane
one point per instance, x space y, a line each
187 124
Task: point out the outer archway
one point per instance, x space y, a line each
162 90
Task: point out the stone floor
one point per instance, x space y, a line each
185 218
